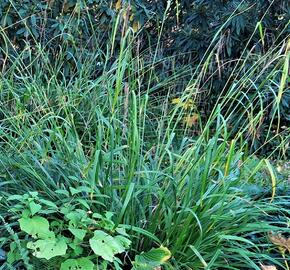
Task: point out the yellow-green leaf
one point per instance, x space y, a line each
190 120
118 5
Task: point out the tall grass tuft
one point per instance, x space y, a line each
172 176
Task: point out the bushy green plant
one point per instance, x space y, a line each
68 235
70 232
128 142
188 193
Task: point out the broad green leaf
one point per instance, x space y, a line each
143 266
34 208
125 242
26 213
48 248
15 198
37 227
48 203
74 191
76 216
151 259
33 194
77 264
62 192
121 231
105 245
13 255
78 233
97 215
161 254
84 203
66 209
109 215
77 249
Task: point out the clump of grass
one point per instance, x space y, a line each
185 183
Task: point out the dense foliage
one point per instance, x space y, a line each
144 135
189 26
183 31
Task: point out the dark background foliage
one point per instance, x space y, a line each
82 28
189 27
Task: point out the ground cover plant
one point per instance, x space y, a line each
111 160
